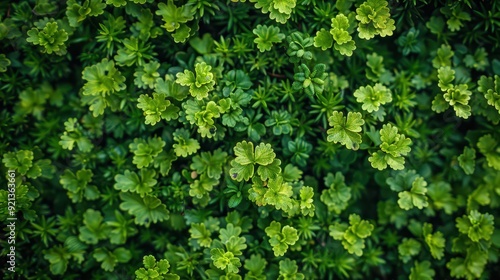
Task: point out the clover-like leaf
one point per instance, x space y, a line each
346 130
267 36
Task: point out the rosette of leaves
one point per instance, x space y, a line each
200 83
490 148
337 195
135 51
376 69
267 36
146 75
157 108
311 82
243 165
352 235
373 97
289 270
227 248
25 162
77 185
374 19
281 238
457 96
455 15
184 144
209 163
50 37
298 43
411 190
200 189
490 87
145 151
77 12
202 114
280 121
74 134
279 10
339 33
346 130
175 19
155 269
392 149
102 79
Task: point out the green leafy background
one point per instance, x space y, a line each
259 139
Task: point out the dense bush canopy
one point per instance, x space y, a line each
259 139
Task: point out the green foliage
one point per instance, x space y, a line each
490 87
281 238
435 241
267 36
289 270
279 10
353 235
204 139
102 79
488 146
247 158
476 226
456 95
338 194
374 19
50 37
141 183
157 108
154 269
200 83
345 129
146 151
392 149
311 82
373 97
78 186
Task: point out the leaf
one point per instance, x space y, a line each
416 197
267 36
373 97
201 83
374 19
157 108
270 171
345 129
146 209
109 259
467 160
422 271
94 229
208 163
173 16
323 39
488 146
264 154
280 238
476 225
435 241
184 145
408 249
141 183
201 235
223 260
279 194
289 270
